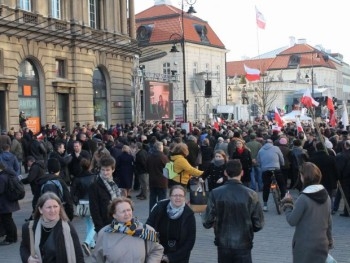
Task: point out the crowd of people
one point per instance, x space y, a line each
101 166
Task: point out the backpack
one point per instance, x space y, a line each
15 188
168 170
53 186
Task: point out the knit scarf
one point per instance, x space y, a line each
175 212
240 150
112 187
68 241
131 229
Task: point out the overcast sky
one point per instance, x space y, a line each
320 23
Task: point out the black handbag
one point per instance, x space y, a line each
198 196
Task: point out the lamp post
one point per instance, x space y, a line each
181 39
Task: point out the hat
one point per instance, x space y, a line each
220 139
53 166
329 144
283 141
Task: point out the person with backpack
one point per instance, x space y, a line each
52 182
9 159
7 207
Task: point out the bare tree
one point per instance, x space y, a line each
264 94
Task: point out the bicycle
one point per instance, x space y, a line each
276 192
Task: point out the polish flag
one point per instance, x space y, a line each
330 106
307 100
260 19
252 73
278 118
299 127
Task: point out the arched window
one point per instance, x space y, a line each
100 97
29 94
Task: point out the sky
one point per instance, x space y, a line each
319 23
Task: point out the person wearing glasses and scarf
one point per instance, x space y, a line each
126 239
176 224
55 239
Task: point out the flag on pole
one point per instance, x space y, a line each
330 106
345 117
278 118
260 19
299 127
252 73
307 100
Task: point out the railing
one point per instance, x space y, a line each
30 18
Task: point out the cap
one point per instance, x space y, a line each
328 144
283 141
53 166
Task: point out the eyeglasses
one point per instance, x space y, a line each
178 196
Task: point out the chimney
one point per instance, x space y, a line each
302 41
291 41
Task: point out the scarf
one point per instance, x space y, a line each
131 229
112 187
68 241
240 150
175 212
219 162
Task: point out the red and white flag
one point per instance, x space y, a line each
252 73
307 100
330 106
278 118
260 19
299 127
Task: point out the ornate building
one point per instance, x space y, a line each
64 61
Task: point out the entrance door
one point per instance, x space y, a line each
63 110
2 110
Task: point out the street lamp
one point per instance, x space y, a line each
181 39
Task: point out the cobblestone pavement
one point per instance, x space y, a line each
272 244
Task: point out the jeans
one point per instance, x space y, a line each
143 178
9 226
256 179
266 176
229 255
90 231
155 195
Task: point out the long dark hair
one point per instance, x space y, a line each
311 174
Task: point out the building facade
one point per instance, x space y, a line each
63 62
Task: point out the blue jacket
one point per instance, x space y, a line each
6 206
270 157
10 161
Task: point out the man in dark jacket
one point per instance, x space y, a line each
9 159
193 150
77 155
141 171
61 155
235 213
158 184
7 207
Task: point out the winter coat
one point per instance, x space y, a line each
56 251
193 151
10 161
6 206
184 169
311 216
80 186
17 150
246 161
254 147
285 151
213 174
270 157
37 150
235 213
119 247
155 163
297 156
99 199
35 173
328 168
141 162
183 230
343 164
74 166
124 170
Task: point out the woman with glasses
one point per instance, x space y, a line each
176 224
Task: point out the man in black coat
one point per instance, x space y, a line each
193 150
234 211
78 154
328 167
141 171
61 155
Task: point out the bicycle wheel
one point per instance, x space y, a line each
276 198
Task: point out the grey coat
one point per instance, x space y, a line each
312 219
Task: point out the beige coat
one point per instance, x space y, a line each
121 248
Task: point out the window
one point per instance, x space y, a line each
25 5
94 14
166 68
218 73
60 68
56 9
195 68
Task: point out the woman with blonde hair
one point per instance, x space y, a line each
55 239
125 171
182 166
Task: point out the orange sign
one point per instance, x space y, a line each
33 123
27 90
